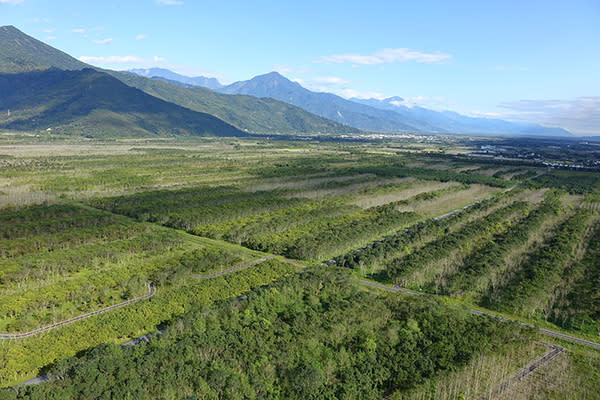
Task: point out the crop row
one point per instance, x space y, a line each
542 271
391 246
491 255
580 308
436 250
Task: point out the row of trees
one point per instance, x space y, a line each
442 175
533 283
580 307
491 256
400 269
396 245
23 358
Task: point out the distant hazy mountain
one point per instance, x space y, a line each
380 115
210 83
90 102
453 122
22 53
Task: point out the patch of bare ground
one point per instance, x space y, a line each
369 200
300 182
448 201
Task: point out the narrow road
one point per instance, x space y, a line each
478 312
151 292
233 269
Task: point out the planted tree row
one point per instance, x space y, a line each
491 256
442 175
24 358
441 248
580 308
242 230
189 208
542 271
391 246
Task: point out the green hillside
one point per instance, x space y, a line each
21 53
93 103
246 112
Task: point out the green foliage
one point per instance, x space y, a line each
89 102
543 270
310 336
574 182
397 244
487 258
21 358
580 307
440 248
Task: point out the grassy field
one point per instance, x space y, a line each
85 226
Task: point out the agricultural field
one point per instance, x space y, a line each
141 235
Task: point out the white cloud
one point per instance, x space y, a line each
111 60
431 102
48 30
580 115
104 41
386 56
158 59
12 1
50 38
169 2
78 30
141 36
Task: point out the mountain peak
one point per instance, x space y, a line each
273 75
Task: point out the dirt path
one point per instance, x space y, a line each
151 292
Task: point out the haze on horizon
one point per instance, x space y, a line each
534 62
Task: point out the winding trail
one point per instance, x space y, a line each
151 292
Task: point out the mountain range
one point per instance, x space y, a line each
20 53
159 101
380 115
170 76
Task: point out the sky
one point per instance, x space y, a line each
527 60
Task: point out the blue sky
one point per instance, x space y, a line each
526 60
